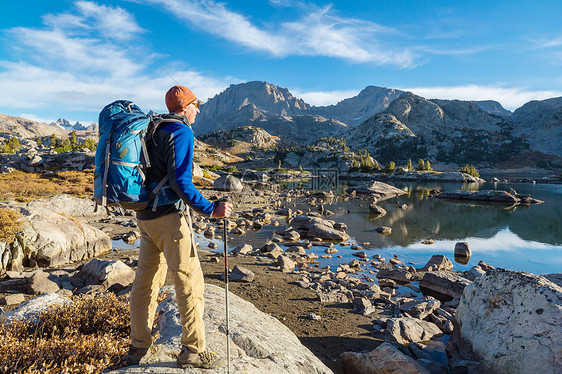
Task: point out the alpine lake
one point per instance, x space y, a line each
519 237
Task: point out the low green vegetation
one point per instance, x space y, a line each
423 165
11 146
470 170
390 167
71 144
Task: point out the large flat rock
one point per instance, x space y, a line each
259 343
511 322
492 196
378 190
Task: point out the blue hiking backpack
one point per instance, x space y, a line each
122 159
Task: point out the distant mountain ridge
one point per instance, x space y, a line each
78 126
25 128
390 123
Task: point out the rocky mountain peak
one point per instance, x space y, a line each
493 107
356 110
256 99
540 122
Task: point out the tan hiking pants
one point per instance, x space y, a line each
166 242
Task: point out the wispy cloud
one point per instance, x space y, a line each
71 65
547 43
510 97
318 32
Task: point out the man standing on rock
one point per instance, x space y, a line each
167 239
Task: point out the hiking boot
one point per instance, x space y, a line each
135 355
204 360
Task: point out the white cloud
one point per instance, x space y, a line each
111 22
511 98
317 33
216 19
65 66
322 98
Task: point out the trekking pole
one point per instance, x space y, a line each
226 293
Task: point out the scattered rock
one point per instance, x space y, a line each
242 250
105 273
420 308
384 359
398 275
332 297
240 274
131 237
313 317
438 262
383 230
12 299
40 283
443 285
361 254
228 183
405 330
376 210
285 263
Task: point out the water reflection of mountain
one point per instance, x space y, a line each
438 219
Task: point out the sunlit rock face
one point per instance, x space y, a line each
510 322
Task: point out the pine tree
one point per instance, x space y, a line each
409 165
73 140
421 165
427 166
54 140
39 142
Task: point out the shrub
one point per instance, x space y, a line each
231 169
470 170
421 165
11 146
390 167
10 224
409 166
427 166
85 336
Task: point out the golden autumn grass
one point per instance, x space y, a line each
10 224
23 186
88 335
85 336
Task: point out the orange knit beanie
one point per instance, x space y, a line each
178 98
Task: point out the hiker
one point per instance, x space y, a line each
167 240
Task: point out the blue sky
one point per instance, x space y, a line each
70 58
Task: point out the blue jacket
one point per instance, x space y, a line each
171 152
